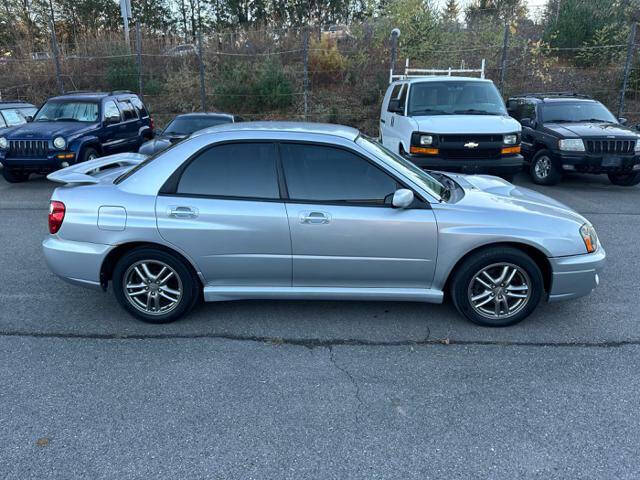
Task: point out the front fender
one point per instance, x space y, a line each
78 144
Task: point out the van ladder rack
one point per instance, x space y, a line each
429 72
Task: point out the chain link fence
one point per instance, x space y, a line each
337 76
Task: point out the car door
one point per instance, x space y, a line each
527 109
388 118
223 209
131 124
344 231
113 134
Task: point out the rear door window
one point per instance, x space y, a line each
142 110
128 112
245 170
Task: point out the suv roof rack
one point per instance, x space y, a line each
75 92
543 95
430 72
119 92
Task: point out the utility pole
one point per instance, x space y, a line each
505 48
125 11
627 67
305 54
395 33
54 48
203 94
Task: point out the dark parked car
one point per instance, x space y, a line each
568 132
73 128
184 125
15 112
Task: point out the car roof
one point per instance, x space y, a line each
92 96
205 114
566 100
442 78
286 127
18 104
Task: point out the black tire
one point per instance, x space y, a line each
543 169
14 176
462 288
624 179
88 153
188 282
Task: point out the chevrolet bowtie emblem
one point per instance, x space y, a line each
470 145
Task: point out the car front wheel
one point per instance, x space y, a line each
497 287
14 176
154 286
624 179
543 171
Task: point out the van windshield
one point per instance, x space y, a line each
464 97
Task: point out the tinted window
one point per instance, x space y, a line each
576 112
395 94
330 174
110 109
233 170
142 110
128 112
527 110
186 125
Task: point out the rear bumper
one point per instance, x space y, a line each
78 263
593 163
500 166
575 276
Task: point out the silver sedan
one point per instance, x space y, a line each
310 211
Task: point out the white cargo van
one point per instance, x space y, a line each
452 123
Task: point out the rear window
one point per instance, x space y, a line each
142 110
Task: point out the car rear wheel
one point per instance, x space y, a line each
155 286
624 179
497 287
14 176
543 171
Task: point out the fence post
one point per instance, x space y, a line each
139 55
503 62
305 57
395 33
203 94
627 67
56 59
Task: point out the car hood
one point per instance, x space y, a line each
49 130
466 124
489 192
582 130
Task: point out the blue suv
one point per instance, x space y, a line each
73 128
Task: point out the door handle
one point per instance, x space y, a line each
315 218
182 212
392 120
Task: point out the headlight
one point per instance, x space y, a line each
510 139
426 139
59 143
588 234
571 145
3 143
637 149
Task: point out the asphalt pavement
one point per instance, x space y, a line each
275 389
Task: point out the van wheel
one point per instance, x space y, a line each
14 176
624 179
543 170
497 287
154 285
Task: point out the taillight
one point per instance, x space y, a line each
56 216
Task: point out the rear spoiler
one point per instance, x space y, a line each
84 172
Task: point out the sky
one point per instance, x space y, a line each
535 6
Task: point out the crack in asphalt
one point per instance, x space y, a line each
318 342
353 381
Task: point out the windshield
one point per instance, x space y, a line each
17 116
576 112
405 167
68 111
455 98
188 125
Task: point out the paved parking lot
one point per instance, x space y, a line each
318 389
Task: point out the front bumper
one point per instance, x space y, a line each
594 163
49 163
576 275
78 263
497 166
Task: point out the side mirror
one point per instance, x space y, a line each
394 106
29 118
402 198
111 120
622 120
527 122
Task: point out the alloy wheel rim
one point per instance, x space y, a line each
152 287
499 291
543 167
